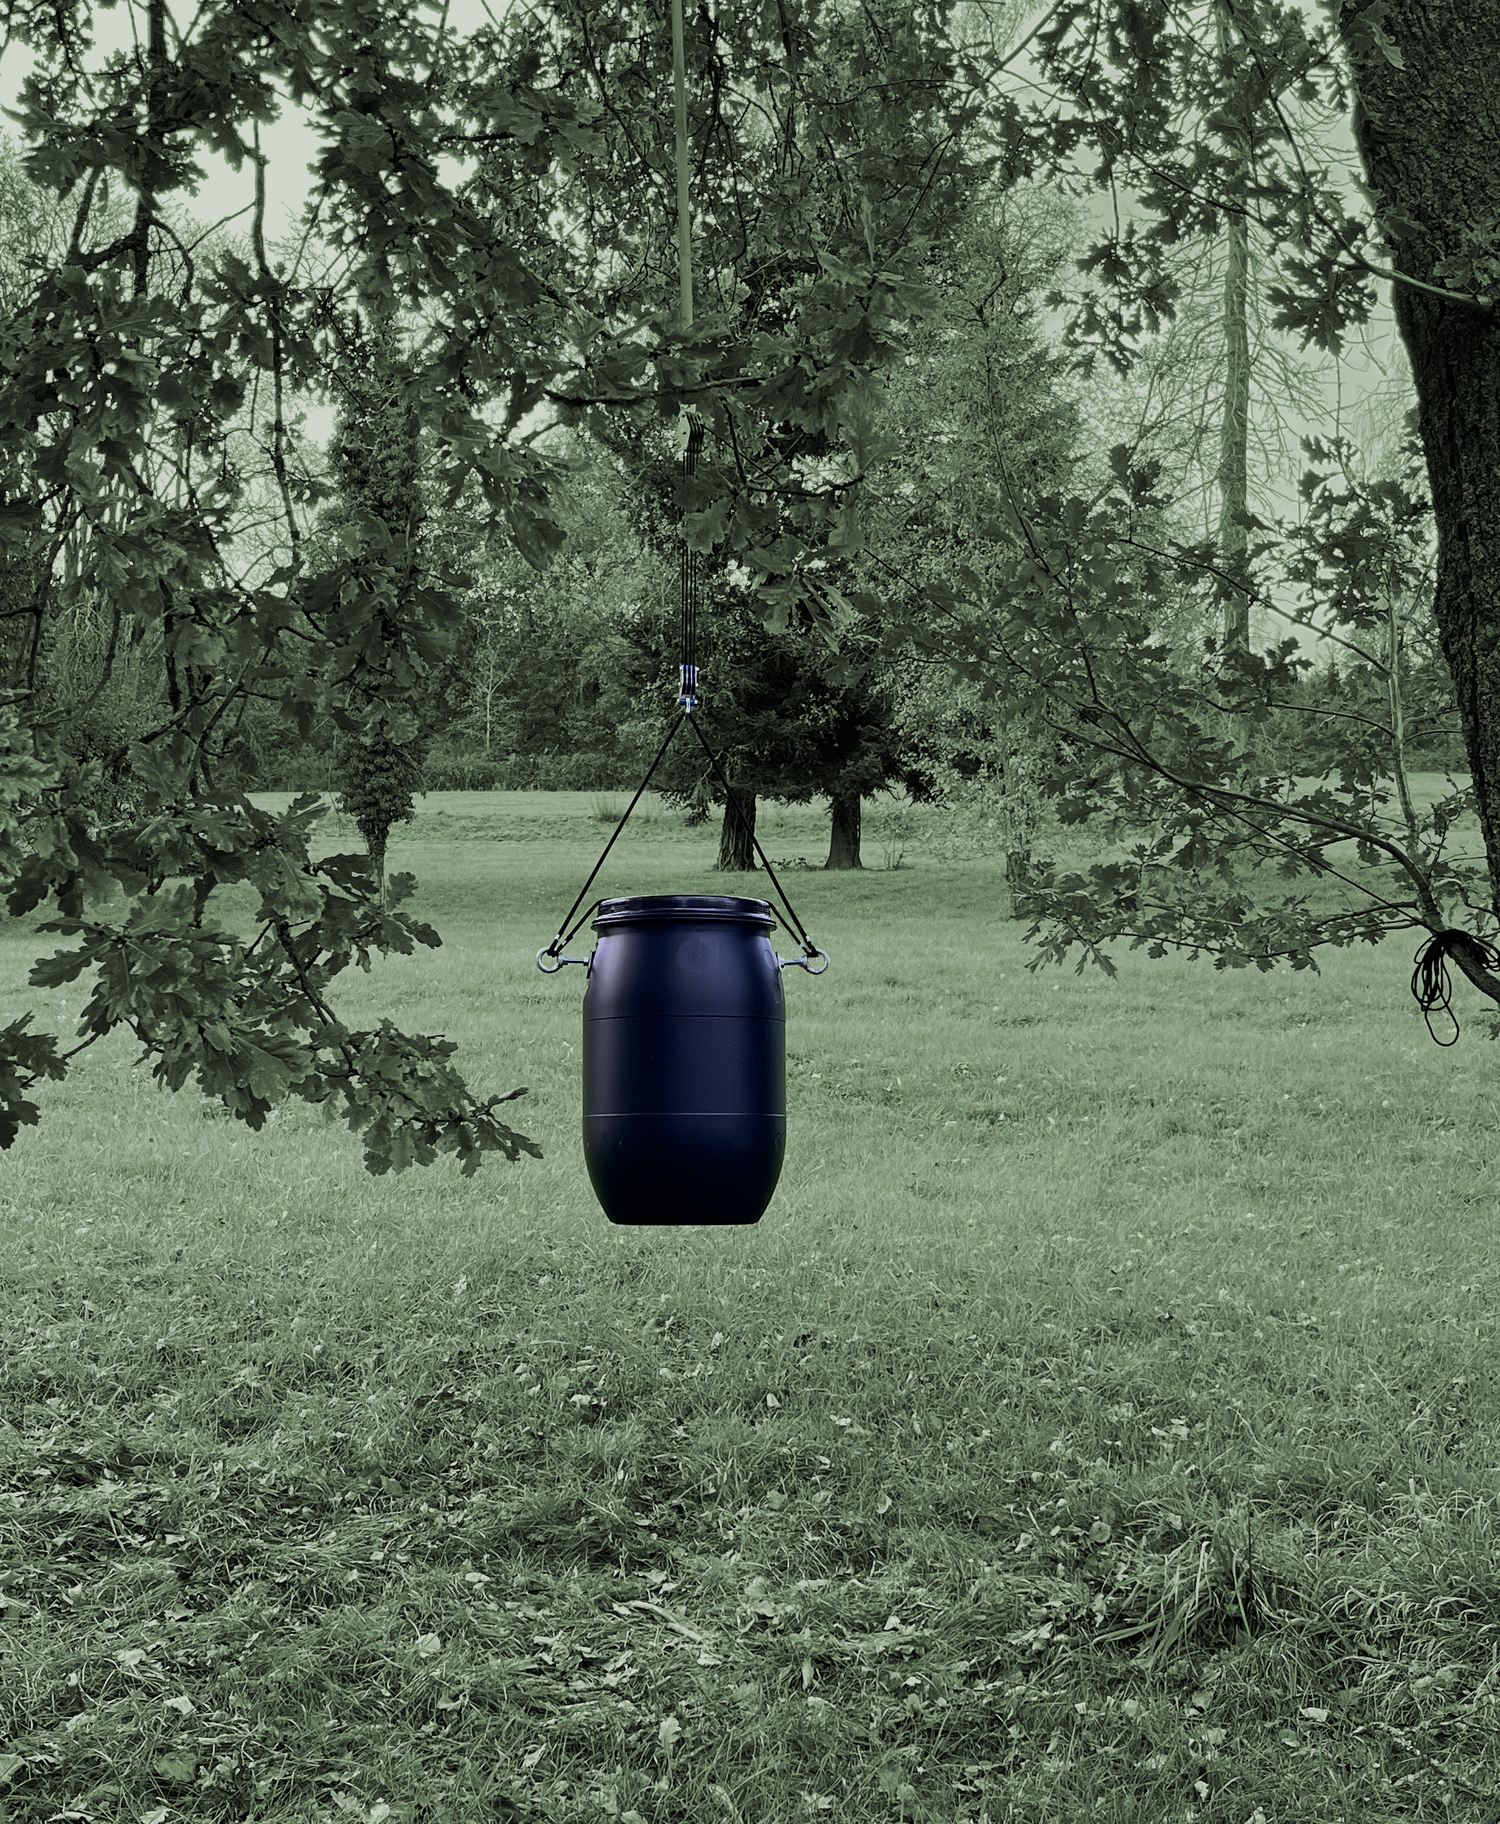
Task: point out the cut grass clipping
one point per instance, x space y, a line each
1102 1423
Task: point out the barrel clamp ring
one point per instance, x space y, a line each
800 962
558 961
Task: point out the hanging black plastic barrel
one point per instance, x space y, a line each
684 1060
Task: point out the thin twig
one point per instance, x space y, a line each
671 1620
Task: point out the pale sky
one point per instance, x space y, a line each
292 145
291 142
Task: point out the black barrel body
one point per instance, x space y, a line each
684 1060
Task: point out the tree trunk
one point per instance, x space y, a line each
843 842
1234 426
1427 134
375 841
736 849
1017 874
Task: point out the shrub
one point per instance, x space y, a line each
309 769
377 778
450 772
95 741
585 773
564 773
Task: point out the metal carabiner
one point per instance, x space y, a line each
560 961
801 962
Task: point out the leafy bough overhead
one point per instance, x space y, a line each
143 372
129 368
1150 741
252 1019
1417 82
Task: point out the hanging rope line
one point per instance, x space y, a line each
561 942
688 634
1429 980
565 936
809 948
684 214
689 586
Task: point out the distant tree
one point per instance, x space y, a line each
136 358
789 715
62 659
375 465
975 407
867 141
787 718
979 414
537 651
133 359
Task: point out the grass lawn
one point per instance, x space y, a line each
1102 1423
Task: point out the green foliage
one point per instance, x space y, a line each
448 770
130 364
985 778
787 718
96 734
1294 736
1137 742
377 778
1129 107
567 772
541 652
23 778
25 1058
1169 736
377 757
789 713
833 150
259 1026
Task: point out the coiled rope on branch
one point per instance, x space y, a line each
1430 983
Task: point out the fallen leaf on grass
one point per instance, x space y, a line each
176 1769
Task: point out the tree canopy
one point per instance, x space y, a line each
830 146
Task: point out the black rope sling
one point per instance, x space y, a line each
689 583
687 702
1429 980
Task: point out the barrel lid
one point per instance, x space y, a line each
684 905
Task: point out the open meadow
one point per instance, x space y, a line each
1102 1423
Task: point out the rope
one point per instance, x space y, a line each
1429 980
689 577
688 654
809 948
689 586
565 937
560 943
684 217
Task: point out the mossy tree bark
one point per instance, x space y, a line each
1427 132
736 848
